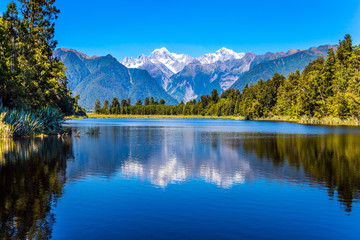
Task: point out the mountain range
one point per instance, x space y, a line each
105 78
175 77
220 70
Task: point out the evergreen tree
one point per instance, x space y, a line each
124 103
138 103
214 96
115 106
97 106
105 108
152 101
147 101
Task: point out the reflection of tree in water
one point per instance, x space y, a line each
32 178
333 160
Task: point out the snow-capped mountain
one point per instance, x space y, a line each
131 62
174 62
221 55
199 78
186 78
161 64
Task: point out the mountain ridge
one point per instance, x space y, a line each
284 65
218 70
105 77
180 77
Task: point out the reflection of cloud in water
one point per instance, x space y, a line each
169 155
170 172
212 175
224 170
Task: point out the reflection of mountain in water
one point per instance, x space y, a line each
332 160
166 155
32 178
32 171
163 155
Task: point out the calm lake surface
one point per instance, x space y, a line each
183 179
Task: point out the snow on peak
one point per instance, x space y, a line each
222 55
224 50
174 62
162 50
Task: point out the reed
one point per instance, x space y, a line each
17 123
93 131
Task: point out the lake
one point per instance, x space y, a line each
182 179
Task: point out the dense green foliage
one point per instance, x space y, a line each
15 123
326 88
30 77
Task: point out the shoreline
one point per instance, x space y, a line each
352 122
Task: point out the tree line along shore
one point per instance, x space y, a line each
326 92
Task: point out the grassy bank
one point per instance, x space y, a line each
95 115
302 120
25 123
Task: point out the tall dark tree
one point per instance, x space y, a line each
97 106
214 96
152 101
138 103
124 103
147 101
105 108
115 106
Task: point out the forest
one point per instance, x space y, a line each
33 84
326 89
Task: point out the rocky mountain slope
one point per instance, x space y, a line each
296 60
104 77
186 78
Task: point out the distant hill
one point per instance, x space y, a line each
283 65
104 77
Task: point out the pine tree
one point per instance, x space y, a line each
97 106
214 96
115 106
105 108
138 103
147 101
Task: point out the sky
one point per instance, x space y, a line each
195 27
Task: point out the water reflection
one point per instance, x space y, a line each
332 160
167 155
33 172
32 178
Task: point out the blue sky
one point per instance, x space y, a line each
129 27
